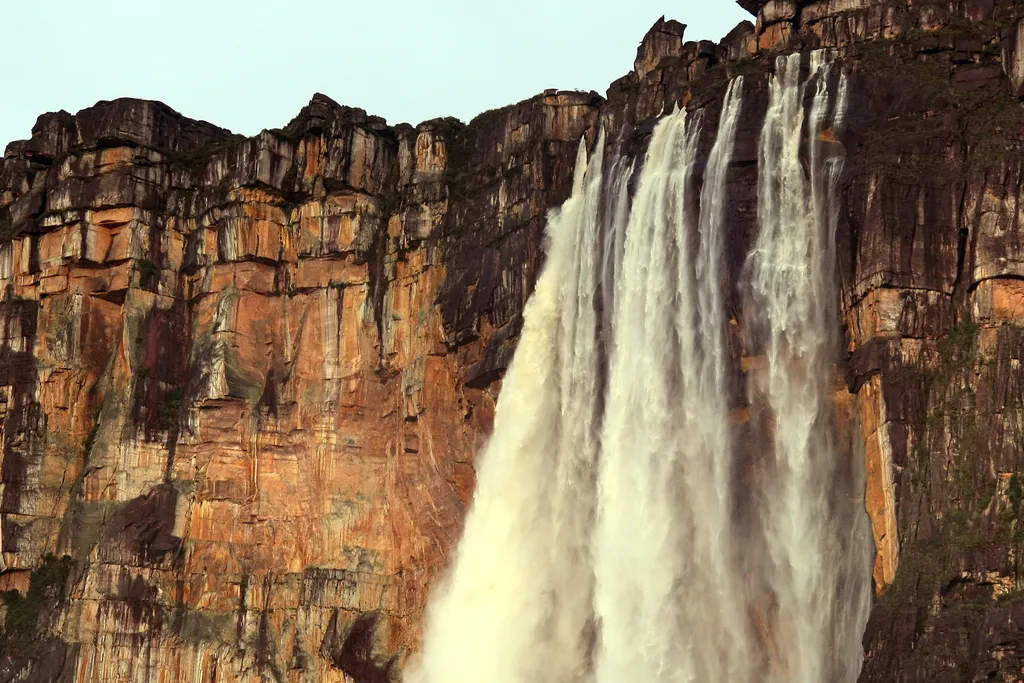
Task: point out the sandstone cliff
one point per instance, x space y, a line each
242 380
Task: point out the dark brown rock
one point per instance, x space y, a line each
664 40
739 42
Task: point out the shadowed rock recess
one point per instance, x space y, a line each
242 380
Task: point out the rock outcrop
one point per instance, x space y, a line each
242 380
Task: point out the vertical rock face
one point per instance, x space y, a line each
242 380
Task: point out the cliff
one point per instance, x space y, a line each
242 380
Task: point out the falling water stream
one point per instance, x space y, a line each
603 543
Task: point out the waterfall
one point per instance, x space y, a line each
517 604
662 564
603 543
806 498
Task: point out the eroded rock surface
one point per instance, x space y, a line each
243 379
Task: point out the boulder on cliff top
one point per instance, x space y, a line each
664 39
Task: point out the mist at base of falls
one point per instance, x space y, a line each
625 526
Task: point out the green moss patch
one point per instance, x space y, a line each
21 621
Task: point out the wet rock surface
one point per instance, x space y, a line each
242 380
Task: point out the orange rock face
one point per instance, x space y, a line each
231 390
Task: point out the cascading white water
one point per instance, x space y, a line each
615 216
517 605
601 544
792 291
662 564
786 264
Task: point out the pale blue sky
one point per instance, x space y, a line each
252 64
